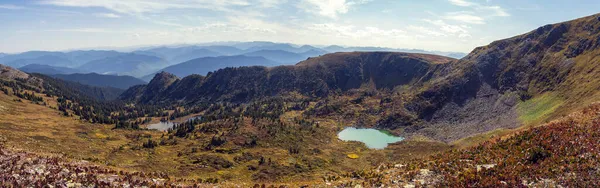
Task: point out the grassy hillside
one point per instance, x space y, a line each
559 153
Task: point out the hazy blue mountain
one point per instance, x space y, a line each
129 64
281 56
306 48
2 55
279 46
99 80
41 60
62 59
193 54
207 64
314 53
225 50
48 69
179 54
284 47
13 59
81 57
248 45
457 55
335 48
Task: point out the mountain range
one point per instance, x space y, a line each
48 69
205 65
429 92
99 80
141 62
518 112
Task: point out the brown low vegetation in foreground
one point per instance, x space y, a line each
565 152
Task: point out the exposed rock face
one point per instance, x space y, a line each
483 88
11 73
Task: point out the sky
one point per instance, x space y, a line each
443 25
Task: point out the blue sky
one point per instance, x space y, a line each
446 25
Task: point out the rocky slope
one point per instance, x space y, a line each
562 153
554 64
317 77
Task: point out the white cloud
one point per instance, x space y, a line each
81 30
465 17
496 10
145 6
351 31
271 3
427 31
11 7
448 28
107 15
482 11
461 3
330 8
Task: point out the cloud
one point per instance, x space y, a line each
330 8
461 3
465 17
145 6
496 10
460 31
81 30
448 28
482 11
427 31
10 7
351 31
271 3
107 15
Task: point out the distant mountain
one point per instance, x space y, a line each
456 55
42 60
54 60
81 91
281 56
2 55
48 69
29 55
283 47
314 53
225 50
61 59
259 46
207 64
99 80
193 54
129 64
81 57
335 48
255 44
314 77
179 54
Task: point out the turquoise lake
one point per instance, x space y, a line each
373 138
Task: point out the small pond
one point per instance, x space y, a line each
161 126
166 125
373 138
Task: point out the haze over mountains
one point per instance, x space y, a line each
144 62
